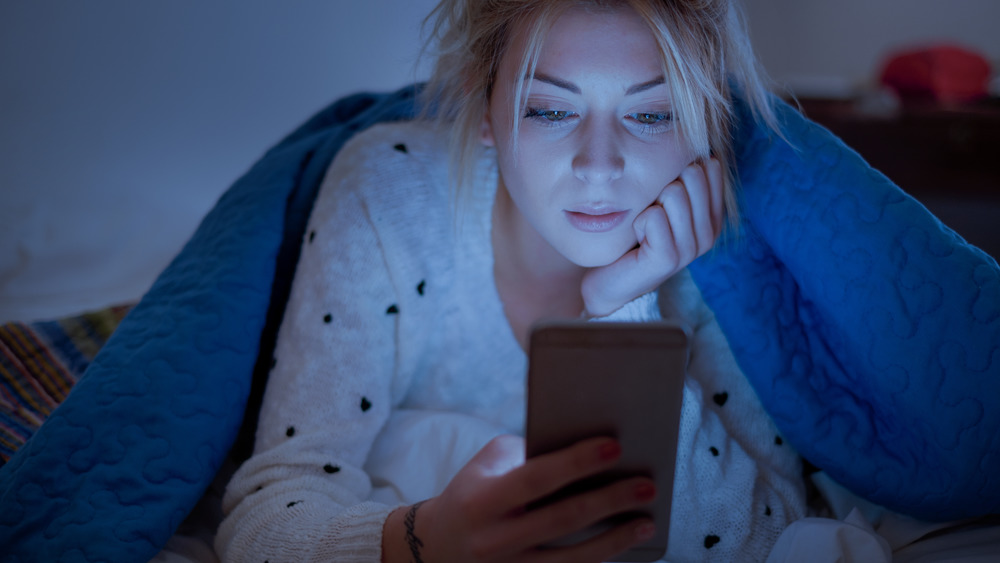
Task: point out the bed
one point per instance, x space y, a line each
852 310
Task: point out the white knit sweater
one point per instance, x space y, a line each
393 312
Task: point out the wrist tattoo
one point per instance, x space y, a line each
411 538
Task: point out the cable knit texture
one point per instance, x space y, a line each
394 309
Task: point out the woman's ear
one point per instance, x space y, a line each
486 130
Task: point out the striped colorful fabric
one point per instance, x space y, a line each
39 364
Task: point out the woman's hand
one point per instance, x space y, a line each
681 225
481 515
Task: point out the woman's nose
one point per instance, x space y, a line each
599 158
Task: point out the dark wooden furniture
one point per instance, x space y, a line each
946 157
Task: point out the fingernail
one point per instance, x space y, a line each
645 531
609 451
645 491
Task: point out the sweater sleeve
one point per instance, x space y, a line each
302 495
641 309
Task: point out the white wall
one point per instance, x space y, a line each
121 121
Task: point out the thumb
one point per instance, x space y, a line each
500 455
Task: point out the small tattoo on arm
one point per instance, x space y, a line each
411 538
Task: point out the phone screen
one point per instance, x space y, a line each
623 380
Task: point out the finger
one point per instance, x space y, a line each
718 193
636 272
601 548
656 240
559 519
545 474
677 205
473 488
696 183
500 455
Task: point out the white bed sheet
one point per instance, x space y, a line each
66 254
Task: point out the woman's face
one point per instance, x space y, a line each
596 144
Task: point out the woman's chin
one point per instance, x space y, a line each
596 256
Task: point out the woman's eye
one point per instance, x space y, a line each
550 115
650 118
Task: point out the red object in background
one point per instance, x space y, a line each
945 73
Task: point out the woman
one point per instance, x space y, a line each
578 161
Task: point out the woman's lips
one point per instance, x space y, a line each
594 222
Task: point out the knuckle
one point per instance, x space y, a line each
657 217
673 190
571 515
693 171
534 482
582 458
683 198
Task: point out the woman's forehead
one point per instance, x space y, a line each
583 45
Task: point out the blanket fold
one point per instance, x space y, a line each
120 463
870 331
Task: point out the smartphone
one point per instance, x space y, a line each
623 380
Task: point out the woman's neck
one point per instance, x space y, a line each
533 279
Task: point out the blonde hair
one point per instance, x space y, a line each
704 46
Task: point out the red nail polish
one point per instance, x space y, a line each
610 450
645 531
645 492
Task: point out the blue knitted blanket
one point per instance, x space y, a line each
870 331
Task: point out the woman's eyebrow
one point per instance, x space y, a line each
642 87
555 82
565 85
